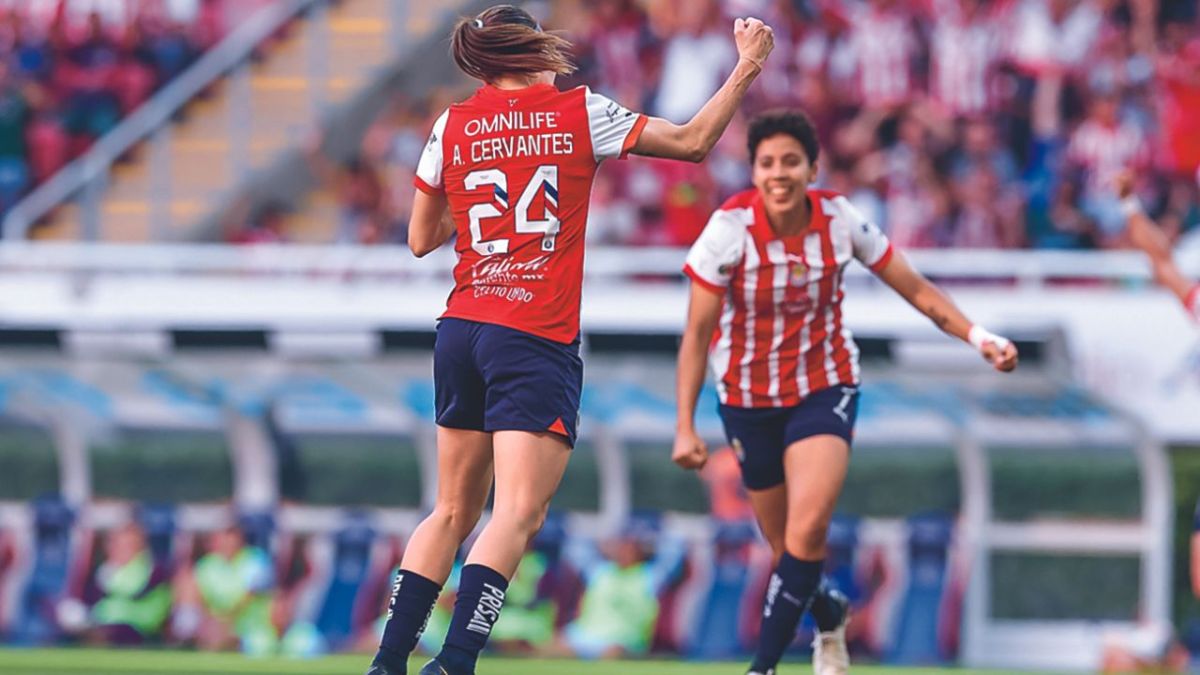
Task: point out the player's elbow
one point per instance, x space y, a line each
692 144
420 246
697 154
696 149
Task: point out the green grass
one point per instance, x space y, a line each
113 662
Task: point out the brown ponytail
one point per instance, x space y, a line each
505 40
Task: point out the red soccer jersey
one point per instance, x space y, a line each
517 169
781 335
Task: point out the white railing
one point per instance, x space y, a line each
359 262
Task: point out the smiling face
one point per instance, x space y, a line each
782 172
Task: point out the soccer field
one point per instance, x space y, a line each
112 662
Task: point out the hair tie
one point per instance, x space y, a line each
479 23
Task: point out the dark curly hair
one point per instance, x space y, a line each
794 123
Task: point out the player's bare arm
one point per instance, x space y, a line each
1145 234
431 224
704 310
695 139
928 299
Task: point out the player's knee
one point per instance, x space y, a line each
805 538
525 520
455 518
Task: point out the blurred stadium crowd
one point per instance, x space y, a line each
71 69
952 123
248 584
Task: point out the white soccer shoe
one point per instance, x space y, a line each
830 656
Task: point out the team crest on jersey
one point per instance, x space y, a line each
739 450
798 270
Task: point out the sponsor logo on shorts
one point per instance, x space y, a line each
739 450
840 409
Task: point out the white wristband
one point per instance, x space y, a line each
979 336
1131 206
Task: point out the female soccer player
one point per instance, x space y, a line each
1150 239
767 280
514 164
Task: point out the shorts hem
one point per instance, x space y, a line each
842 433
532 430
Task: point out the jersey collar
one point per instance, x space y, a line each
493 92
762 227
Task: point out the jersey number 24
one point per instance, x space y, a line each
545 179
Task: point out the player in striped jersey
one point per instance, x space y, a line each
1150 239
765 309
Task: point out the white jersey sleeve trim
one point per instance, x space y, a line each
869 244
609 123
719 249
429 168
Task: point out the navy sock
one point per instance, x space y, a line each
825 610
480 597
788 596
413 597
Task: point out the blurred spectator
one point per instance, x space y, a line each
1178 70
87 76
127 599
624 578
620 48
246 223
697 56
1055 35
16 111
224 599
1101 147
967 45
988 214
357 185
884 45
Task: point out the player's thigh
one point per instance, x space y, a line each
818 436
770 509
464 469
529 467
815 468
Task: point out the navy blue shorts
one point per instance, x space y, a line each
494 378
760 435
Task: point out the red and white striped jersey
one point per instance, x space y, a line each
516 167
1105 151
781 336
964 55
885 44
